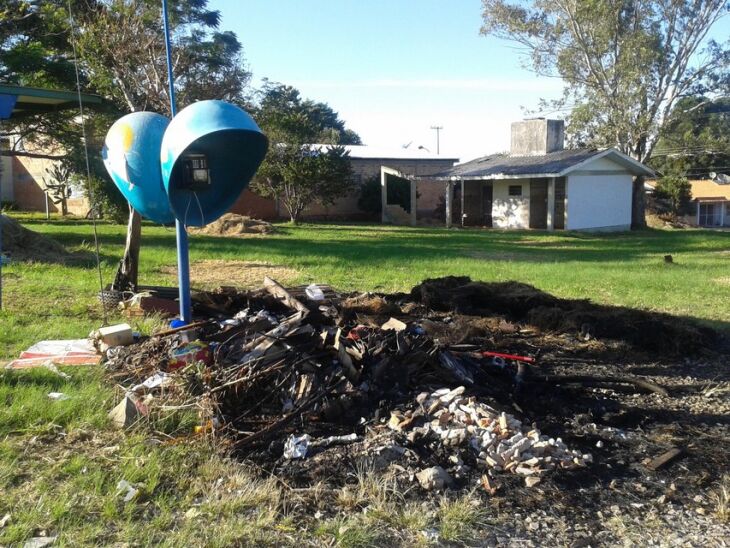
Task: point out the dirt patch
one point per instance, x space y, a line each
648 331
232 224
21 244
212 273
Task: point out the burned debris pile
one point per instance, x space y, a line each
280 376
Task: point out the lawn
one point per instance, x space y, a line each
60 462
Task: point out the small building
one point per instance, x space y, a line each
22 173
366 162
712 202
541 185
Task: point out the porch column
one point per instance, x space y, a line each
383 194
698 213
414 205
449 200
551 203
722 213
462 203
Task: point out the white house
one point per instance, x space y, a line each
541 185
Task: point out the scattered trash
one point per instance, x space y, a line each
144 303
114 335
296 447
61 352
286 380
193 352
127 411
58 396
4 520
314 293
125 488
158 380
664 459
39 542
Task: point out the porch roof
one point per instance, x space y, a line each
17 101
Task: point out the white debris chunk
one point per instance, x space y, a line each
499 440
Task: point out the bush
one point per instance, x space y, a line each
677 191
105 198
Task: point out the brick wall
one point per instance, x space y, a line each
28 185
346 208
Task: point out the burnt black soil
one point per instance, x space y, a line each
651 331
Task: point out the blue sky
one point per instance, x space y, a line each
393 68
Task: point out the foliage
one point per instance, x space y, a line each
295 172
281 108
370 200
696 139
121 53
625 64
299 175
104 198
58 185
677 191
123 50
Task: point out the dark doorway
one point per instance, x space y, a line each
559 217
487 197
538 203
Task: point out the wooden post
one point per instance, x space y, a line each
383 193
414 205
462 203
449 202
551 204
698 213
722 213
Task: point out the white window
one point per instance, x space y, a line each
709 214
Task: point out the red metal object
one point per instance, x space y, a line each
525 359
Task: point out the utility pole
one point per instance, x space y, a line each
438 134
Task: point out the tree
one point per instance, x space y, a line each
121 53
696 139
677 191
295 172
298 175
281 108
58 186
625 63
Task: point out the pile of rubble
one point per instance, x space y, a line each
281 375
500 441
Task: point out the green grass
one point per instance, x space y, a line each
57 301
60 461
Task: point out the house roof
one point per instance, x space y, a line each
365 152
553 164
16 101
709 190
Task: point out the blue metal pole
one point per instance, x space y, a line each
183 260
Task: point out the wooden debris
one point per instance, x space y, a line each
664 459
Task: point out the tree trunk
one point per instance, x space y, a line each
638 204
64 207
127 274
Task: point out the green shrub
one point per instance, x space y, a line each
677 191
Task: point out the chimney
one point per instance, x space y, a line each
536 136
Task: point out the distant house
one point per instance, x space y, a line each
366 162
21 176
712 201
541 185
